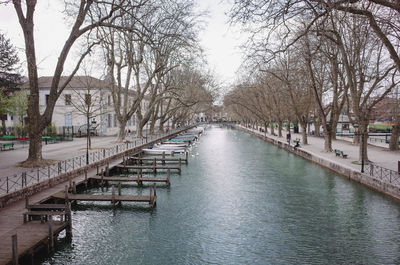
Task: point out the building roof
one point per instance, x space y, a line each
76 82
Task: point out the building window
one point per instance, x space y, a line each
68 99
109 120
115 120
47 99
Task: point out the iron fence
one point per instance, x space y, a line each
384 174
27 178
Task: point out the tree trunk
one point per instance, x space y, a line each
394 139
363 144
3 126
272 128
280 128
35 146
89 139
304 132
122 131
327 137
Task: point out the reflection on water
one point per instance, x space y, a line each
240 201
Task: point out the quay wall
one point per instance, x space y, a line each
350 173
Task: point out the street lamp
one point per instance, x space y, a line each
362 146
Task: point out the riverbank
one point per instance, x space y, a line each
344 166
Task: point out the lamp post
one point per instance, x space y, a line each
362 146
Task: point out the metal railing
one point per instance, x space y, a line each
27 178
384 174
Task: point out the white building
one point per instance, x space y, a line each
71 108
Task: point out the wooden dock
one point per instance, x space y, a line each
139 179
113 198
153 167
140 160
28 238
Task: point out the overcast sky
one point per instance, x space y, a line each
219 40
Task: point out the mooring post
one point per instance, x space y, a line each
180 165
169 177
163 158
150 195
119 192
66 193
14 249
68 215
186 157
155 189
154 165
26 202
86 180
51 235
113 196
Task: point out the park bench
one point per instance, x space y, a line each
7 146
8 137
340 153
49 139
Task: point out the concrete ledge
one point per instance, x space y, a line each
350 173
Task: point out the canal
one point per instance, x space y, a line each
240 201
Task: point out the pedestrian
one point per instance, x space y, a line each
288 136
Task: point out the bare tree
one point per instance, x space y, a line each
82 24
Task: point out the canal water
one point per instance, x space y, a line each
240 201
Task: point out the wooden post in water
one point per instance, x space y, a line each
66 194
155 189
119 192
86 180
154 165
150 196
26 202
163 158
169 177
186 157
50 245
73 187
113 196
14 249
68 215
180 165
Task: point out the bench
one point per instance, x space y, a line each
7 146
340 153
8 137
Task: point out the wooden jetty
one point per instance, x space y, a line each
152 166
37 231
170 160
139 179
113 198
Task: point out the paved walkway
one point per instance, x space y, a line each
55 151
379 155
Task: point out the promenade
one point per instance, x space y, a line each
378 153
54 151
